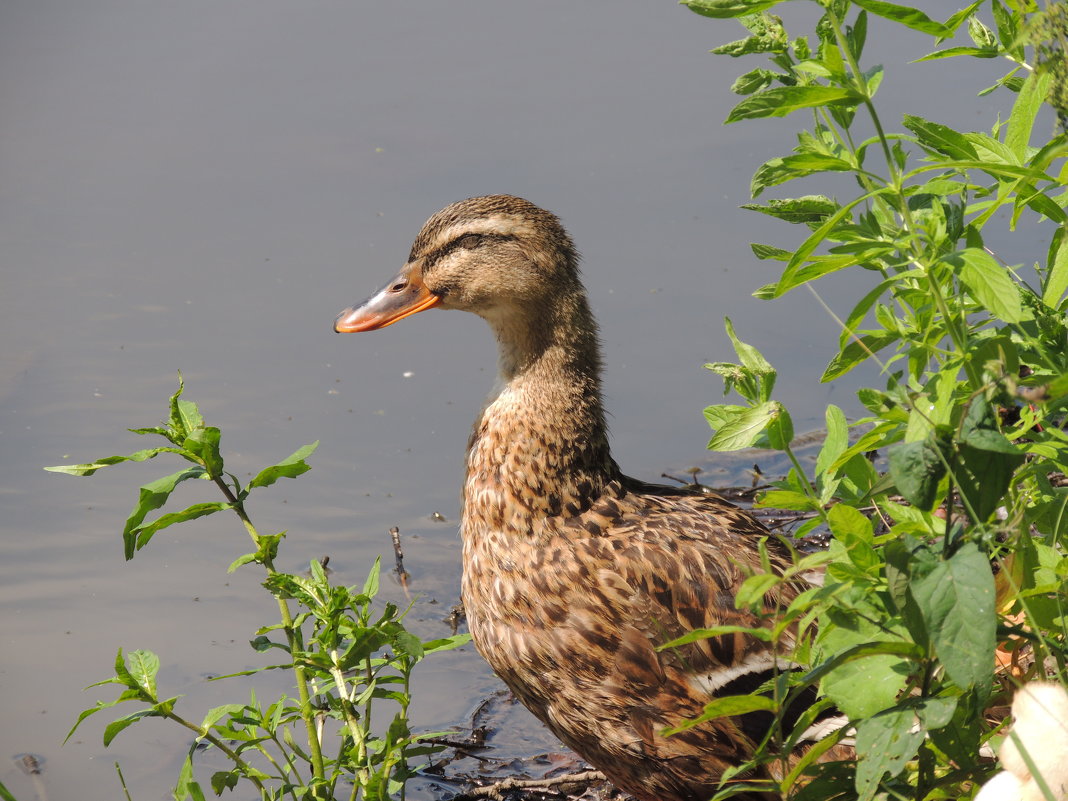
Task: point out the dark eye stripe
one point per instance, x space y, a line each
468 241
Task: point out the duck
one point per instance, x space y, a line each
574 573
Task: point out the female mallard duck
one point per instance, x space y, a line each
574 573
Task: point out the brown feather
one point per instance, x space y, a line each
574 573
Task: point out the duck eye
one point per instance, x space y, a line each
470 241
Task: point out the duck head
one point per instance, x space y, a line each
497 256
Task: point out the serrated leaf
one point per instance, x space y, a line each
92 467
152 496
807 209
988 282
790 276
783 100
725 9
940 138
956 600
290 467
909 17
763 252
780 170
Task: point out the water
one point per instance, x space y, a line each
201 187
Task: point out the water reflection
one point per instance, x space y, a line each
200 186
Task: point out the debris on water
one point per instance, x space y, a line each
398 555
438 517
30 764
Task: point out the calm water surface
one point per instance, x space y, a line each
202 186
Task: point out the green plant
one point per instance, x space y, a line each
346 655
970 531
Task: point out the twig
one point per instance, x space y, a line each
565 784
398 553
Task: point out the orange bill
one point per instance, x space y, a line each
402 297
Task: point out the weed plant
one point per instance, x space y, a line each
945 583
347 654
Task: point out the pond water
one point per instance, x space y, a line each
202 186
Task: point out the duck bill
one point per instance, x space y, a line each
402 297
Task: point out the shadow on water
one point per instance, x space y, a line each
203 186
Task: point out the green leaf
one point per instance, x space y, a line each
780 170
143 667
940 138
790 276
783 100
866 672
724 9
982 35
724 707
224 780
808 209
979 429
753 81
983 478
956 600
988 282
1022 119
1056 281
950 52
787 499
917 468
187 787
153 496
112 729
290 467
216 714
854 531
185 417
204 443
859 350
742 429
370 585
909 17
751 592
92 467
145 533
956 19
885 744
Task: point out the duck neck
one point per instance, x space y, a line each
540 448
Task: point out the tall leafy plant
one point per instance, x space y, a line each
348 655
946 576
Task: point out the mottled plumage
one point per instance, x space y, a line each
573 572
